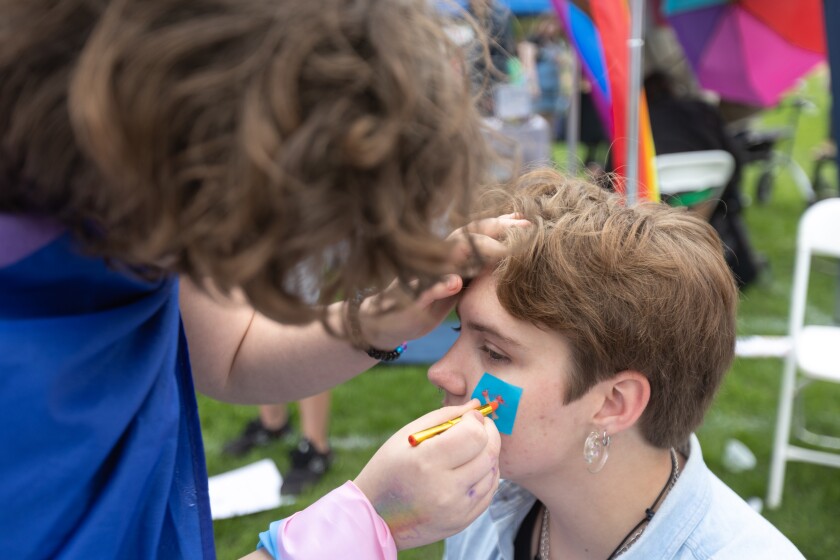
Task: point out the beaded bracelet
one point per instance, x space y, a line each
387 355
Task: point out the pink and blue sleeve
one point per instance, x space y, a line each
341 522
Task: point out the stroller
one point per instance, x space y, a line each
773 150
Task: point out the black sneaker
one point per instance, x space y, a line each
255 435
308 467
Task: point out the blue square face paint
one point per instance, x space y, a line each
488 389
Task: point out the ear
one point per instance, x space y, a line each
625 397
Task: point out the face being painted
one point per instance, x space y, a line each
546 435
506 396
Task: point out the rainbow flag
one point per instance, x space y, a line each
599 30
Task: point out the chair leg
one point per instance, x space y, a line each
782 437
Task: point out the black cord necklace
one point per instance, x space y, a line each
635 532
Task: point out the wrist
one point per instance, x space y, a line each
387 355
364 316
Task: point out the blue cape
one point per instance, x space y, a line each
100 446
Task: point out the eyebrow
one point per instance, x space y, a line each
486 329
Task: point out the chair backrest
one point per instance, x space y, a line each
818 234
691 171
819 228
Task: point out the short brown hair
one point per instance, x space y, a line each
643 288
235 139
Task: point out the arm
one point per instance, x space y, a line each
527 52
343 520
239 355
404 498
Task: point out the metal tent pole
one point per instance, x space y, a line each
634 86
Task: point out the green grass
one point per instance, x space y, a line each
377 403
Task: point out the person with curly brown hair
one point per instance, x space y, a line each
165 166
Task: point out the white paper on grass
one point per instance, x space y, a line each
249 489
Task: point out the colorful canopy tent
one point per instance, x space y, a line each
749 51
599 30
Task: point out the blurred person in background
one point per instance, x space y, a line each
685 124
495 19
545 61
311 457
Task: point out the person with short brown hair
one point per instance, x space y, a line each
165 168
618 324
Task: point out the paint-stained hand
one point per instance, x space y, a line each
413 319
434 490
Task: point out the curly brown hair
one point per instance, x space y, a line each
235 139
642 288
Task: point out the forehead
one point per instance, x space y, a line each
479 309
480 296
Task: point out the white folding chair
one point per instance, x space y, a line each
689 178
815 354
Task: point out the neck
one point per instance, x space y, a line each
592 513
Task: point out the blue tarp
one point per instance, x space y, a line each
430 348
528 7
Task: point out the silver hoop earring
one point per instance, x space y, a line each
596 451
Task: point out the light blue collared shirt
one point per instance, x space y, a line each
700 518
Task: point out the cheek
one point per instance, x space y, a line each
536 440
490 388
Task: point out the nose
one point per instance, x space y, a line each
448 373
